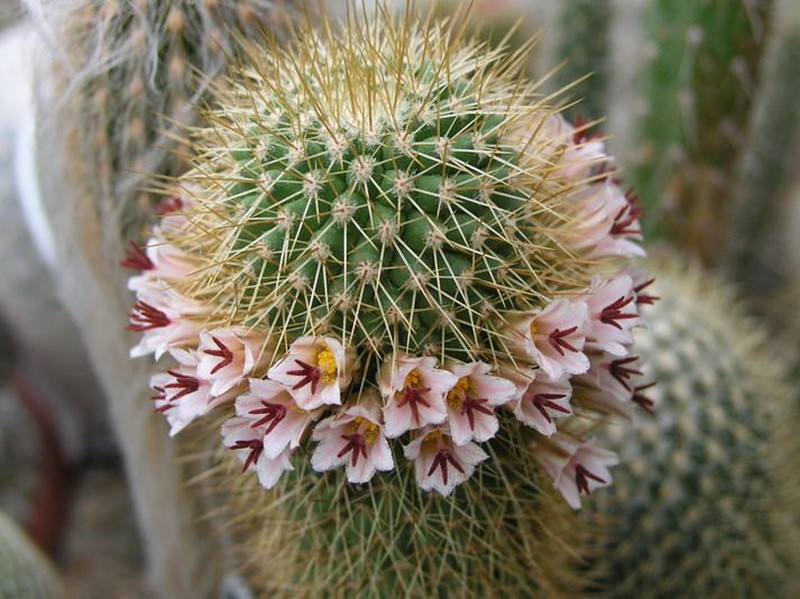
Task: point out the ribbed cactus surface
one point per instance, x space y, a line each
706 501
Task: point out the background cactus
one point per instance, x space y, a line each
706 499
119 76
24 570
764 236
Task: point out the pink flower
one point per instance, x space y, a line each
613 313
271 410
539 399
553 337
228 356
575 152
181 395
166 319
413 390
353 438
641 285
440 464
159 261
471 402
608 387
315 371
624 230
575 466
248 442
604 222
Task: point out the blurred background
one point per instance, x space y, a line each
698 101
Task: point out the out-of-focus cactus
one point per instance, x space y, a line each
120 77
24 570
583 28
131 71
698 79
759 243
706 501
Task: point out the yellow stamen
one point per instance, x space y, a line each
432 437
369 429
413 379
326 362
533 330
456 395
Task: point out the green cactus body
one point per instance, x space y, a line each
396 216
756 259
24 570
132 71
706 503
696 89
506 534
381 222
583 30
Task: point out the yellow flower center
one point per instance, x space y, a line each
456 395
432 438
369 429
326 362
533 330
413 379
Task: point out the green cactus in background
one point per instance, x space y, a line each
131 72
706 502
757 257
698 79
24 570
583 27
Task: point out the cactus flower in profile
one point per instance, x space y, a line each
182 395
248 443
576 467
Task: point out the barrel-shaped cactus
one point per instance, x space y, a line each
706 500
393 256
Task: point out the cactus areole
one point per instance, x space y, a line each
391 246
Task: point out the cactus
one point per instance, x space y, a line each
124 74
131 72
756 258
709 483
388 234
24 570
696 93
583 43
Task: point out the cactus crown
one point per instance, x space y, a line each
383 184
